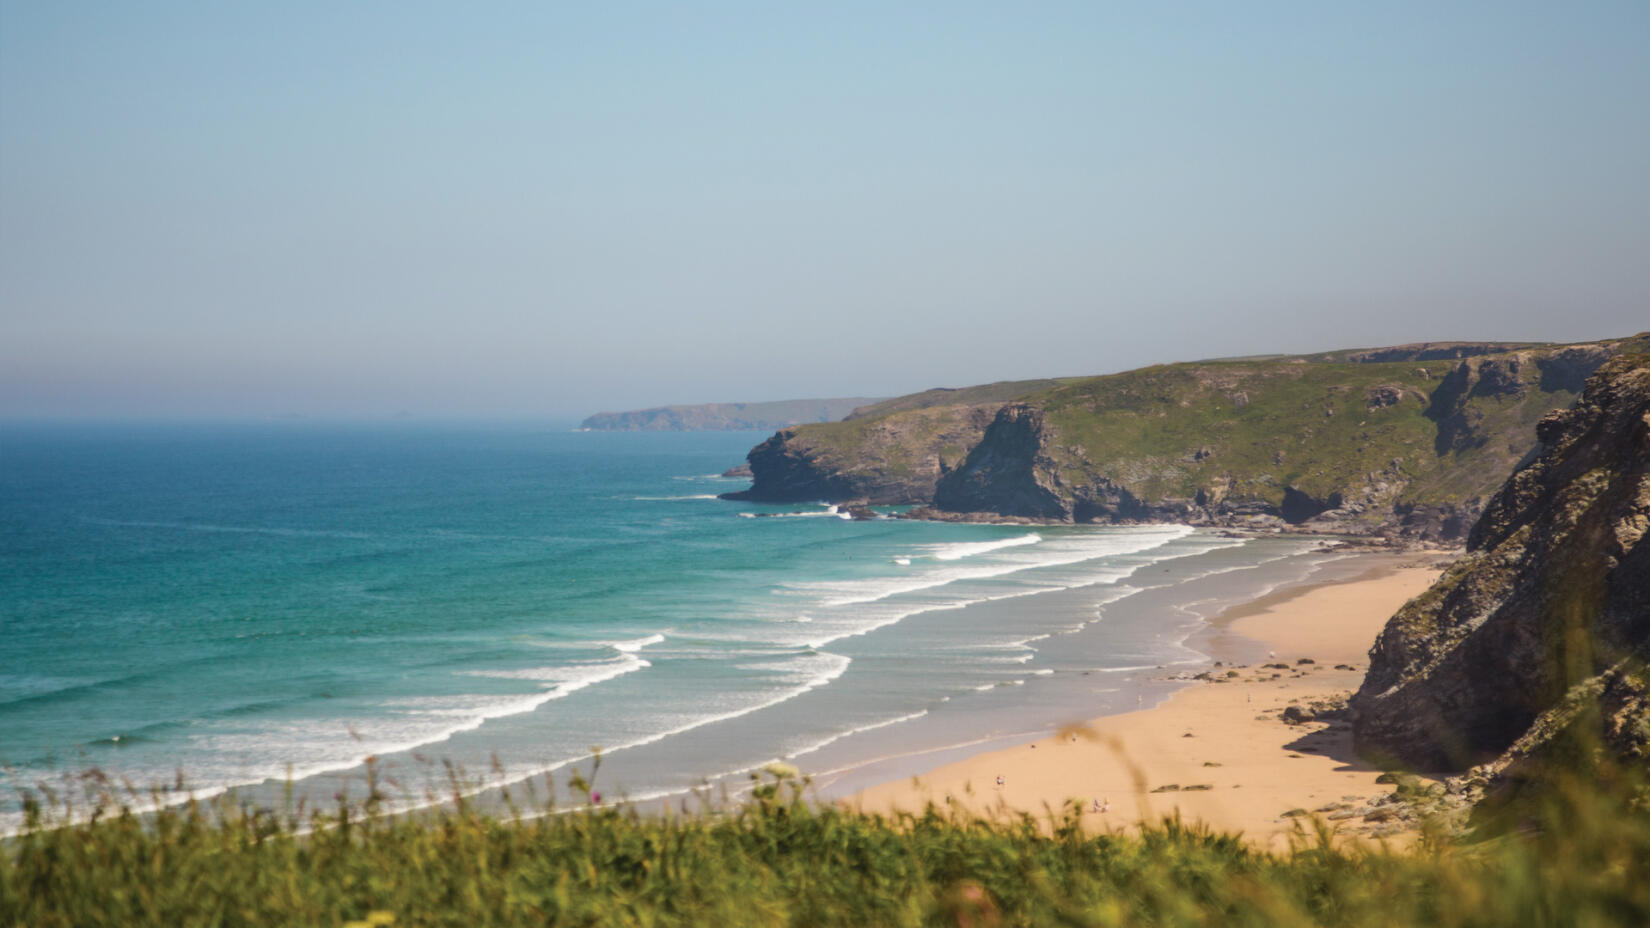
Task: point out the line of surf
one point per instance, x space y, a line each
960 550
1119 545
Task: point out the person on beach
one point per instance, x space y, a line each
1000 781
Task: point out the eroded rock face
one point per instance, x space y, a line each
1008 472
893 460
787 471
1553 595
1451 403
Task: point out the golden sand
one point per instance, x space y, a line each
1244 765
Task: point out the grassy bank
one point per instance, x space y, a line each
1581 860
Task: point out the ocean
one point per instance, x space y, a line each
252 606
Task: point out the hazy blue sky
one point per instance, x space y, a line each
451 209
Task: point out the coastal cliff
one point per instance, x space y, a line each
1408 440
886 460
725 417
1405 446
891 453
1539 635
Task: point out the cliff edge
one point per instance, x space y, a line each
1543 627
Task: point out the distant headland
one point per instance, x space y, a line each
727 417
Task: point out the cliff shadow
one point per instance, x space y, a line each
1335 743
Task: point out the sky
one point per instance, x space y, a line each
342 210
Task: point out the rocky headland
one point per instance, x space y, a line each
890 453
1406 441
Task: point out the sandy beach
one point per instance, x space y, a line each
1217 752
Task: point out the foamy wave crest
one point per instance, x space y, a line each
631 647
848 608
339 744
853 731
831 511
671 499
818 668
561 679
956 552
1074 549
335 745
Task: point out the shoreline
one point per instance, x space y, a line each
1216 751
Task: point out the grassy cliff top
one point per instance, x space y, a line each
1174 429
1435 424
1002 391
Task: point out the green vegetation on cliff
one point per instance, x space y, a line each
1411 437
1249 431
1242 429
991 393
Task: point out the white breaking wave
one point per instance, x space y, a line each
956 552
1076 550
831 511
669 499
561 679
853 731
337 745
631 647
838 666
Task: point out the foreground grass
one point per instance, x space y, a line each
783 861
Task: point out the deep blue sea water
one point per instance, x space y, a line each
241 603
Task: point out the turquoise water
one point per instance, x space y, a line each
239 603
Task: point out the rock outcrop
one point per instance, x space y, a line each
887 460
1545 623
1012 446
